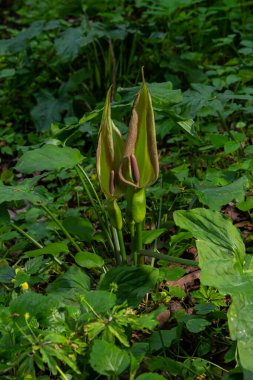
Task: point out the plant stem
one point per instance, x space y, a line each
173 259
60 225
122 246
133 246
116 246
97 207
139 246
61 373
26 235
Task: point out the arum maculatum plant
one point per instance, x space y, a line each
127 168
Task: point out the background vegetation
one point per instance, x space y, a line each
61 316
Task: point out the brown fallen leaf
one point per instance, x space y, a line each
163 317
186 281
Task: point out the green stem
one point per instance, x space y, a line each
173 259
116 245
26 235
64 377
98 210
60 225
133 247
122 246
139 245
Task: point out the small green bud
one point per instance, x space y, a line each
138 205
114 214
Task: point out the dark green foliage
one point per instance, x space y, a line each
66 310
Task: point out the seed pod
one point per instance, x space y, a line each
109 154
140 167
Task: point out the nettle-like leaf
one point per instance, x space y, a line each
140 166
109 154
223 264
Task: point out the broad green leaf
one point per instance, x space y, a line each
89 260
37 305
216 197
100 300
132 282
4 215
163 96
220 246
68 44
53 249
165 364
24 191
49 157
48 110
246 205
231 146
149 236
150 376
221 257
163 338
80 227
170 274
197 325
107 359
7 274
7 73
74 279
212 227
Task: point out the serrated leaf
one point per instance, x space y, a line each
49 157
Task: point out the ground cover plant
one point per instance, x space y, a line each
126 190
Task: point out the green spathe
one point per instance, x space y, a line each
140 167
109 154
